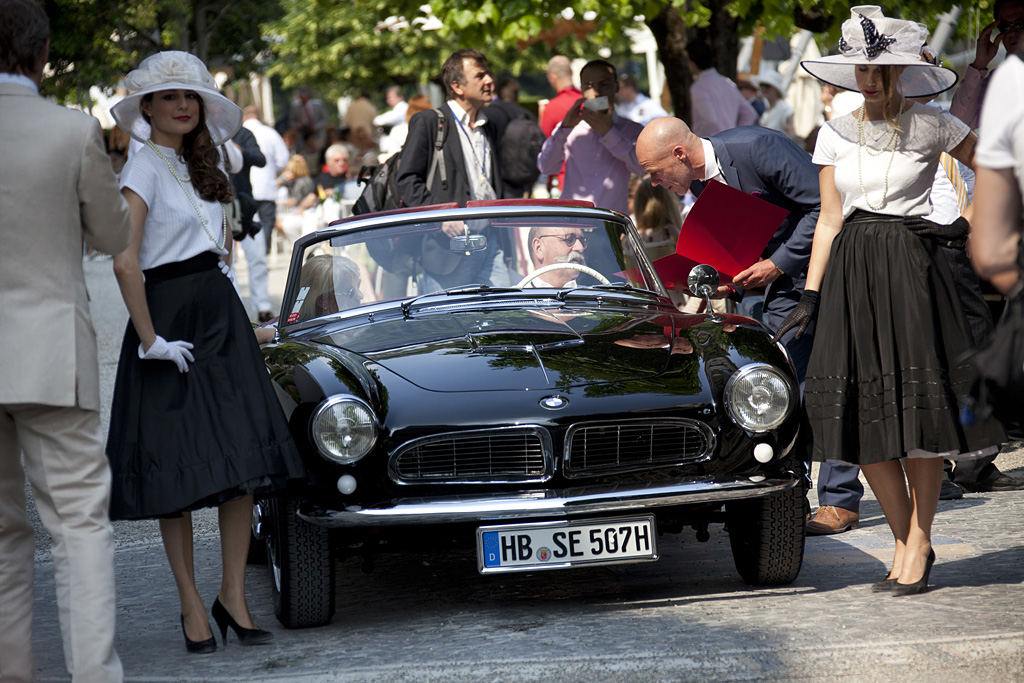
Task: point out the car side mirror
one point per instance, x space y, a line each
703 282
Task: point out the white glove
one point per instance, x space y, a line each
176 351
224 267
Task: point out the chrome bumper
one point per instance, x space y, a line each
550 504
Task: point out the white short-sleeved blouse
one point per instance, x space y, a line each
1001 141
173 231
927 132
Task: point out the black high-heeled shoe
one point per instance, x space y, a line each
246 636
883 586
921 586
198 647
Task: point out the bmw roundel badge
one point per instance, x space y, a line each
554 402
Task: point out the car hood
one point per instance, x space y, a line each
514 349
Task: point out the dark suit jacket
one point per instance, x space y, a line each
416 155
251 156
769 165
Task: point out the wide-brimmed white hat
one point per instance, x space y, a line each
869 37
175 70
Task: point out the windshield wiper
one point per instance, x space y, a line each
480 289
611 286
624 286
469 289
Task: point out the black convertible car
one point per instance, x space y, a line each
514 376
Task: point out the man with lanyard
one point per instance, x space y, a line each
469 169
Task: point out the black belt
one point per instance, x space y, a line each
168 271
953 236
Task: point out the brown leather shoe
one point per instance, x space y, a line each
830 519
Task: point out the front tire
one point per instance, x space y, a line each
767 537
300 560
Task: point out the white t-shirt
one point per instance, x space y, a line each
1001 141
927 132
173 231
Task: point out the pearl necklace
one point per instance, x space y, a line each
892 142
184 188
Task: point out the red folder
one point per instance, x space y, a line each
727 229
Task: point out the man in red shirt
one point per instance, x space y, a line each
560 79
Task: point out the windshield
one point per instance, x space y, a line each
398 262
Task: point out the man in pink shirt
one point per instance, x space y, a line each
597 146
716 104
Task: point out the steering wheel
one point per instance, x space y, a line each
564 266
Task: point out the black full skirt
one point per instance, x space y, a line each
181 441
887 363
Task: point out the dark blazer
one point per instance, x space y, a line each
767 164
416 155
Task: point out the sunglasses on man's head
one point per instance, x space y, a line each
570 240
1008 26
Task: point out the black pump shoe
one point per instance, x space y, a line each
921 586
883 586
246 636
198 647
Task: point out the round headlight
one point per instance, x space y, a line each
344 429
758 398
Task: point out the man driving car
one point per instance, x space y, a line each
553 246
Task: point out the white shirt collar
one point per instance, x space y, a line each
712 171
18 79
463 115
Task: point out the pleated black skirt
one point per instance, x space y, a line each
181 441
886 369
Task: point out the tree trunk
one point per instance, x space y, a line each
202 31
723 31
669 31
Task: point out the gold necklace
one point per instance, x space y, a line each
184 188
892 142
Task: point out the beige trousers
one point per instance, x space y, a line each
67 467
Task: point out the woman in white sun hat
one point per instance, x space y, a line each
194 421
883 377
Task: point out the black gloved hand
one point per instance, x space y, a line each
956 231
801 316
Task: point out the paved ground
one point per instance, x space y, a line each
431 617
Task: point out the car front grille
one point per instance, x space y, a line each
510 454
626 446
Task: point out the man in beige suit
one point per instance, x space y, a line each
56 189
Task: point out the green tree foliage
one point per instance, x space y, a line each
95 42
343 48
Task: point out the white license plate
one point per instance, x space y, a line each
559 545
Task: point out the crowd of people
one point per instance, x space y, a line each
867 282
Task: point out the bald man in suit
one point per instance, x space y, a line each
57 189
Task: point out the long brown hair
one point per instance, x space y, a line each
656 207
201 156
893 95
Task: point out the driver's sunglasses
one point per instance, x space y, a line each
570 240
1008 26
